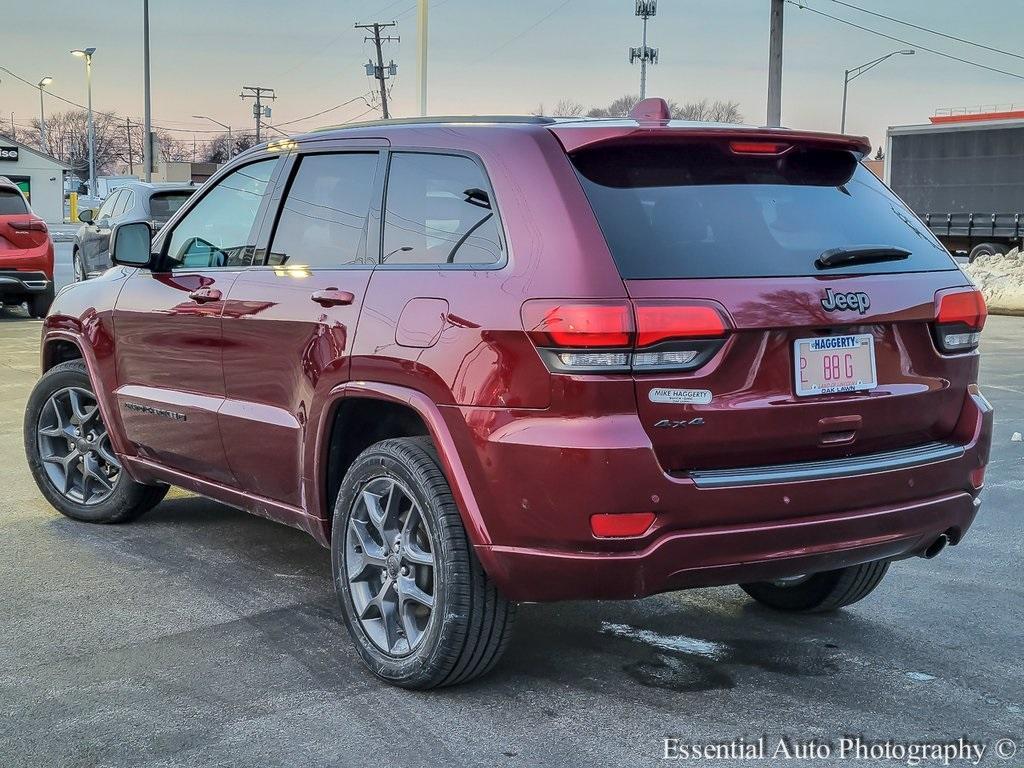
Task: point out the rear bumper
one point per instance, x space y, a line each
737 554
540 480
21 283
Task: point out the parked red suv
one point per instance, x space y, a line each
26 253
491 360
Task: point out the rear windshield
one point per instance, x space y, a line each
163 205
11 203
700 210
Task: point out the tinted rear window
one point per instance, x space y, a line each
699 210
11 203
165 204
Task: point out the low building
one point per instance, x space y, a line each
40 176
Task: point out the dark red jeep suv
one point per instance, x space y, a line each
492 360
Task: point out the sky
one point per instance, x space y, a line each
490 57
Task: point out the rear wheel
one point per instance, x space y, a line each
987 249
39 303
416 601
70 456
819 592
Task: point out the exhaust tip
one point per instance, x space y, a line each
936 547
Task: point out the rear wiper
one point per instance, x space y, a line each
859 254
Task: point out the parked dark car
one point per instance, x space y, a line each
26 253
492 360
137 201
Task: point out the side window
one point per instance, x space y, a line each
123 203
323 219
107 209
439 211
219 230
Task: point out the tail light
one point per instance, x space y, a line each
32 225
612 336
758 147
960 315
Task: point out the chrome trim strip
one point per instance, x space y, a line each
886 461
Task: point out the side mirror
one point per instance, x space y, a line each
130 244
86 215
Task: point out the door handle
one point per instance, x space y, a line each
204 295
332 297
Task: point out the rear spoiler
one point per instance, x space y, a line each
579 135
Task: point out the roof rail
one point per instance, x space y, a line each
435 120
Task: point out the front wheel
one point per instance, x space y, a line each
70 456
416 601
79 267
819 592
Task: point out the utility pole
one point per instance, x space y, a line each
259 93
645 9
421 50
775 65
379 72
131 160
147 119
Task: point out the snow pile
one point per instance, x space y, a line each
1001 279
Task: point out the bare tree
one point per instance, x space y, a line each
67 137
707 111
621 107
717 111
218 151
568 108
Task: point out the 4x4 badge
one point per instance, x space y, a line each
857 300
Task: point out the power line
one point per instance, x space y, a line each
324 111
930 31
529 29
804 7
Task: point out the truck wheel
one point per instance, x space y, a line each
39 303
819 592
415 599
987 249
69 453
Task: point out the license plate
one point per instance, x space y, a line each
829 364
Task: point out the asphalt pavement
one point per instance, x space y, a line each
200 635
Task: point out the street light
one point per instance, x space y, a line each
42 115
853 74
231 144
86 53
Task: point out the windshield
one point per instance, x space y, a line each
163 205
700 210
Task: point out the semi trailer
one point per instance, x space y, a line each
963 175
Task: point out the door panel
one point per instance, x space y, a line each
289 326
282 352
170 375
168 326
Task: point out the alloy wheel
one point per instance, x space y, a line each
390 566
75 448
79 269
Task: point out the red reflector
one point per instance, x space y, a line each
757 147
626 524
657 322
978 478
581 325
961 306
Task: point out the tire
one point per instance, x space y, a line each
987 249
469 623
94 503
820 592
39 303
79 267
